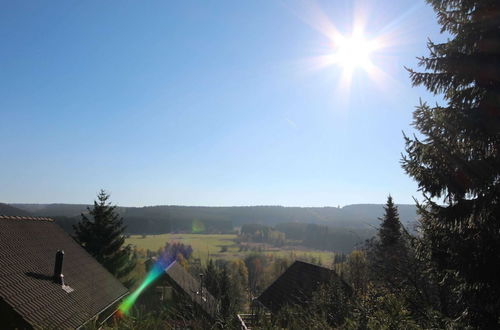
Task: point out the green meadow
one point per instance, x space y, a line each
224 246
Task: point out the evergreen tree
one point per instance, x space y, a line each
387 253
101 234
227 296
457 162
390 229
219 282
395 269
211 279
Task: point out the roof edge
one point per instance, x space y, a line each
105 308
14 217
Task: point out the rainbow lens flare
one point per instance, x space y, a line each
162 265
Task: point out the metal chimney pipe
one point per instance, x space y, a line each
58 267
201 285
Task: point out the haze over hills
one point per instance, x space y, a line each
351 216
323 228
6 209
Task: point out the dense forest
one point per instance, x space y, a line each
164 219
315 236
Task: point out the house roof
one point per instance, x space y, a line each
189 285
296 285
28 246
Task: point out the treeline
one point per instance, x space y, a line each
261 234
149 226
323 237
351 216
310 235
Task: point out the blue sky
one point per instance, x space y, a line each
204 102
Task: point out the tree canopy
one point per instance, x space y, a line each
457 162
101 234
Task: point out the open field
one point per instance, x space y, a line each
223 246
203 245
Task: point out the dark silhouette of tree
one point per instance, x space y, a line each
227 296
211 279
457 161
223 287
387 252
389 232
101 234
394 269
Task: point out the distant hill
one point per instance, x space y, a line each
167 218
365 213
50 210
6 209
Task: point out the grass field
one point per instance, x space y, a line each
203 245
211 246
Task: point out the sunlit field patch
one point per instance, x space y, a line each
207 246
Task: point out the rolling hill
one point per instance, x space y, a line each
6 209
168 218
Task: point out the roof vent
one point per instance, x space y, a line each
201 284
58 275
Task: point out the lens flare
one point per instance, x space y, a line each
162 265
197 227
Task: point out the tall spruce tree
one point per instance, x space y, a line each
390 228
457 162
101 234
386 253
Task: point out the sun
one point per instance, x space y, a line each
353 52
357 56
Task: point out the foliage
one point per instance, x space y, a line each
255 264
322 237
262 234
390 229
379 309
239 276
224 284
176 248
458 160
101 234
178 314
357 271
387 252
328 308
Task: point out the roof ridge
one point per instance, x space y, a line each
312 264
14 217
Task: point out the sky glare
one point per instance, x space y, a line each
209 102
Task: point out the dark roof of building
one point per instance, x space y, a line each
296 285
189 285
28 246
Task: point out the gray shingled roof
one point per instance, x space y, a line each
189 285
27 254
296 285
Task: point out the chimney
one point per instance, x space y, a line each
201 285
58 275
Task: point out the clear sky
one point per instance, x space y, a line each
206 102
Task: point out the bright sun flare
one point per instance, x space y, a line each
361 54
353 52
